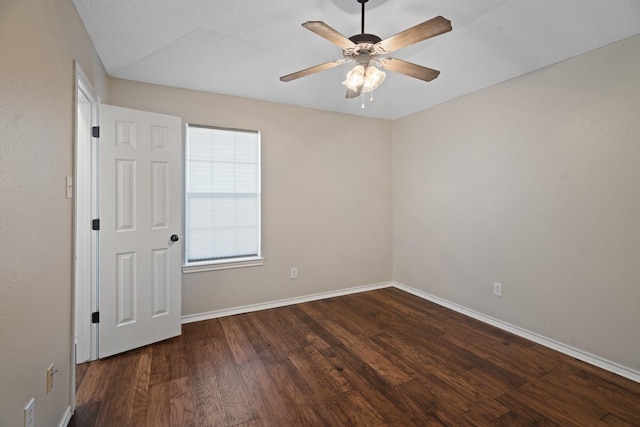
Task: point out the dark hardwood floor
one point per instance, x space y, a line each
377 358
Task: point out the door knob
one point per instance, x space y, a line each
174 238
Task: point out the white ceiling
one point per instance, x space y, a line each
242 47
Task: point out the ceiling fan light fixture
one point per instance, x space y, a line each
366 80
373 78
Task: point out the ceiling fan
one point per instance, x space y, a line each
367 50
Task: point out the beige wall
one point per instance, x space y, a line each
534 183
326 196
39 39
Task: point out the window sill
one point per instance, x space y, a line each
224 265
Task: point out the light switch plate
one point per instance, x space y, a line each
50 372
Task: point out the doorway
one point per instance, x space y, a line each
127 264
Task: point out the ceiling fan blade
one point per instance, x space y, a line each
325 31
312 70
420 32
409 69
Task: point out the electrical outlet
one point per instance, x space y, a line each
50 372
30 413
497 289
294 272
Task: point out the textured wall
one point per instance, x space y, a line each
39 39
326 196
534 183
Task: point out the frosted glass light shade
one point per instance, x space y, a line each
355 78
373 78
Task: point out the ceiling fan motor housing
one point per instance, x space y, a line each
363 43
365 38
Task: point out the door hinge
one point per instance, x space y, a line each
95 131
95 224
95 317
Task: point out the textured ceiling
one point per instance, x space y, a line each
242 47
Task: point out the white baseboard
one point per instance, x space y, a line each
66 417
592 359
280 303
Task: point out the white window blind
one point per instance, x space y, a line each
222 194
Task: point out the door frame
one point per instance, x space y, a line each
85 243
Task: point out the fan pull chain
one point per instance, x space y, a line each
362 97
371 99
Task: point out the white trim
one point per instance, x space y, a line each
281 303
84 245
589 358
66 417
85 209
211 266
592 359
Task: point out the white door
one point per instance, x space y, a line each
140 227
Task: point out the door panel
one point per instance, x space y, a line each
140 208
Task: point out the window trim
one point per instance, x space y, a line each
197 267
227 263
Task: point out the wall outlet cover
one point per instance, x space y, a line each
30 413
497 289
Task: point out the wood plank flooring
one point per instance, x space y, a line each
379 358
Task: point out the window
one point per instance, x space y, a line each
222 189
